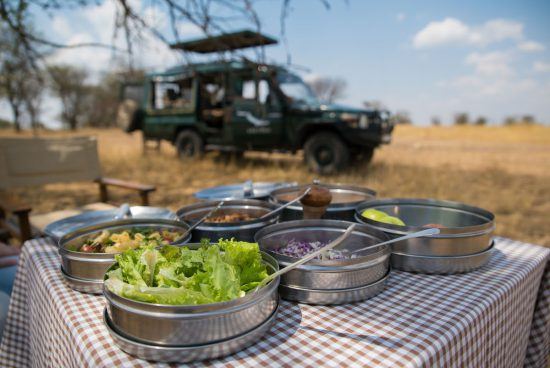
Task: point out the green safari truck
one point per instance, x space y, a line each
240 105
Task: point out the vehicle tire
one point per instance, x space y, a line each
326 153
363 155
189 144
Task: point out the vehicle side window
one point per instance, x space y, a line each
263 91
256 90
173 94
249 90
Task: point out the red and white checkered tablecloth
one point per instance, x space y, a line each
498 316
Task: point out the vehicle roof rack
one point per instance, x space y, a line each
225 42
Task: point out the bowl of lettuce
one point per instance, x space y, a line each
190 295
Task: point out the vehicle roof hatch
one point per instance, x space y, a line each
225 42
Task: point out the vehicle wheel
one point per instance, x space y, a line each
325 153
363 155
189 144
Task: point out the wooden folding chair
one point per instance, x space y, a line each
29 162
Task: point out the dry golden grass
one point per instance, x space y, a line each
503 169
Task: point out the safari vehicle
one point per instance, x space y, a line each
240 105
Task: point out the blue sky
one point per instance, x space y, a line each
429 58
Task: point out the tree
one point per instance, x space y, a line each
210 16
481 121
510 120
374 105
528 119
462 118
436 121
401 118
328 89
33 88
20 82
69 85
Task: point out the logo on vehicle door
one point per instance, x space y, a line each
252 119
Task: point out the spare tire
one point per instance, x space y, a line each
129 116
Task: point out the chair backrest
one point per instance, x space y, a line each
36 161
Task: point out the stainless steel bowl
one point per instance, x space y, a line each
368 268
468 229
333 297
242 230
89 268
443 265
187 325
185 354
344 200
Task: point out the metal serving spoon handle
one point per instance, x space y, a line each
123 212
417 234
192 227
287 204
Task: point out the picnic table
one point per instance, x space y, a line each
497 316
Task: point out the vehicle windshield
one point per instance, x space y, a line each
295 88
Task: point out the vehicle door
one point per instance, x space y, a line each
256 116
171 102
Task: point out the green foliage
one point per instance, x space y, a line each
179 275
462 118
481 121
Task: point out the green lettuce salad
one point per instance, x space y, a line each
181 276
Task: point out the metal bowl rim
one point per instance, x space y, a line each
112 329
243 203
333 206
131 222
347 264
449 258
200 309
488 226
327 291
78 279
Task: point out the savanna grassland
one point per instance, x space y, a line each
503 169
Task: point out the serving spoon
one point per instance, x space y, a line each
417 234
338 241
192 227
280 208
307 258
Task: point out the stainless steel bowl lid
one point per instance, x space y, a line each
68 240
246 190
343 196
58 229
324 230
255 207
420 212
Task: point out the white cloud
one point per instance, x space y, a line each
541 67
451 31
495 63
400 17
530 46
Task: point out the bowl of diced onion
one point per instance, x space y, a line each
338 268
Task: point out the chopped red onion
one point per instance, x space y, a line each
298 249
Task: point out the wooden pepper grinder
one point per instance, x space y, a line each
316 202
